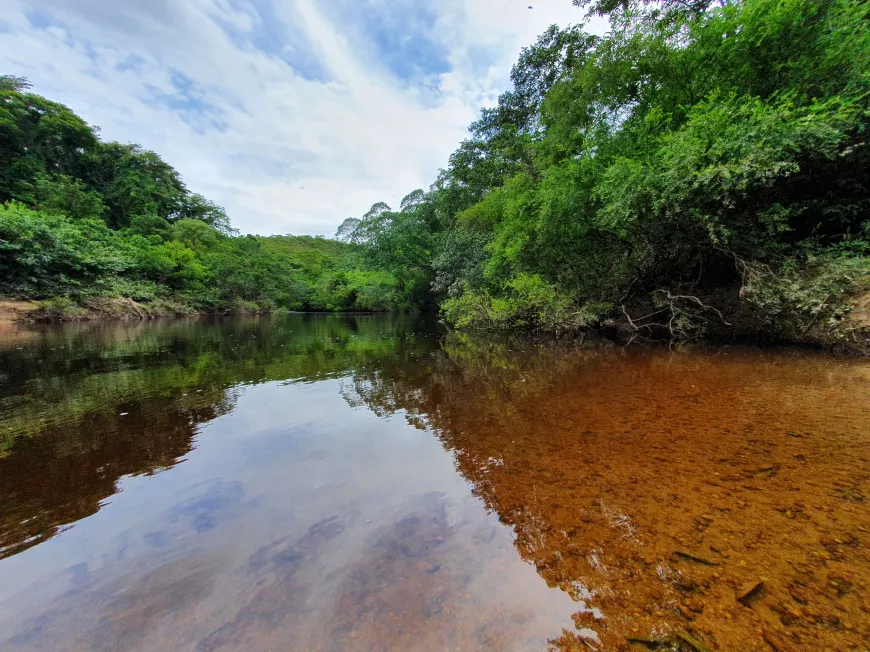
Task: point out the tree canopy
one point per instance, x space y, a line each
702 159
82 219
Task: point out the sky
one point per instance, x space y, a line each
293 114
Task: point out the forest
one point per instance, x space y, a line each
700 170
83 222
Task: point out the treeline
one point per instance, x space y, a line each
702 167
84 221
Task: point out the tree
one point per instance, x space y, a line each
697 148
37 137
347 230
197 207
655 9
11 83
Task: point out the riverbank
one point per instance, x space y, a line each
12 311
59 309
848 334
838 324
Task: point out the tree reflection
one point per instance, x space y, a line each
82 406
651 485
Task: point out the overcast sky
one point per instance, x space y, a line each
294 114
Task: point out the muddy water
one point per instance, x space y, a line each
367 483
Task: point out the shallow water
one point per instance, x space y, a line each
369 483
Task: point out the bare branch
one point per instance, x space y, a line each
674 297
633 325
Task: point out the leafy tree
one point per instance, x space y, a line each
196 234
61 193
656 9
11 83
85 219
43 254
683 166
197 207
37 137
347 230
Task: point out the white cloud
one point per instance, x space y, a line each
211 86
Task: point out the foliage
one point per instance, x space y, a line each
52 255
702 162
694 142
81 218
527 302
805 300
654 9
44 254
60 309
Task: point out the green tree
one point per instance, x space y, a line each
37 137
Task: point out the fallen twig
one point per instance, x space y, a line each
691 557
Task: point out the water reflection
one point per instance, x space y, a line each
699 497
84 405
712 496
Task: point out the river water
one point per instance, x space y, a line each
305 482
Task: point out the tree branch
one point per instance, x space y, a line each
673 297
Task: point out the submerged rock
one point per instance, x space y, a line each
748 591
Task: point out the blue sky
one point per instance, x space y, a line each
294 114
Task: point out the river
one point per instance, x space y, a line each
314 482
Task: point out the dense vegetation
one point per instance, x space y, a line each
702 167
83 221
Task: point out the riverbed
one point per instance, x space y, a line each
320 482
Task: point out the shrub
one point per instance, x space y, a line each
527 302
44 254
